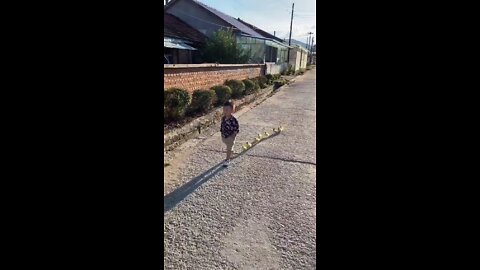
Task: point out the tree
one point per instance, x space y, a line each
222 48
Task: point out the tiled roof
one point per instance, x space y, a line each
174 27
230 20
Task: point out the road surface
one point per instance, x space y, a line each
259 213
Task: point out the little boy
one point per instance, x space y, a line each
229 129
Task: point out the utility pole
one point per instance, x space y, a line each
313 39
273 33
308 45
290 37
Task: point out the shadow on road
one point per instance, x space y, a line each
176 196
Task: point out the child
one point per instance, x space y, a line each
229 129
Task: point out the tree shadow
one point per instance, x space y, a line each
179 194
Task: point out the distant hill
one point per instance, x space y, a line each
297 42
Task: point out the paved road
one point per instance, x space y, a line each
259 213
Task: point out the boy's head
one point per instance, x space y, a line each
228 108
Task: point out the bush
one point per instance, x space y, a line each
262 81
223 93
290 70
249 87
237 86
202 100
279 83
277 76
257 85
270 78
175 103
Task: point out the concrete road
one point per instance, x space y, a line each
259 213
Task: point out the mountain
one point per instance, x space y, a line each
296 42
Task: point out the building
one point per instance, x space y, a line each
261 46
181 42
298 57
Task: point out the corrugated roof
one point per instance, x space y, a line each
177 44
260 31
174 27
230 20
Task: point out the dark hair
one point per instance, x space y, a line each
228 104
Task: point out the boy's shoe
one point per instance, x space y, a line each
226 163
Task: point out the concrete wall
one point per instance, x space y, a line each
295 59
298 58
196 17
273 68
204 76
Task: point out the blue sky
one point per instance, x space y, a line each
272 15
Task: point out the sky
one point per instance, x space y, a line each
272 15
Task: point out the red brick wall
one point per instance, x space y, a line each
194 77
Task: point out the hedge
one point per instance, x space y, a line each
175 104
237 86
249 87
279 83
223 92
202 100
262 81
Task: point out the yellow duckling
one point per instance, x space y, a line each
257 139
245 147
266 134
249 144
274 130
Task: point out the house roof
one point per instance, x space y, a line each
176 28
224 17
260 31
230 20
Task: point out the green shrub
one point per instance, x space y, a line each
237 86
249 87
175 103
202 100
223 93
270 78
290 71
262 81
257 85
279 83
277 76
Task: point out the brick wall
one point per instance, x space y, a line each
204 76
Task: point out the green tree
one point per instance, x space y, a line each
222 48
